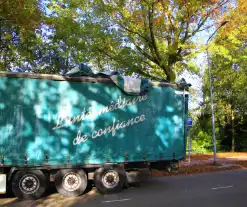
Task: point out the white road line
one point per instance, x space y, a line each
222 187
126 199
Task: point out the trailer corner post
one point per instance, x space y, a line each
2 160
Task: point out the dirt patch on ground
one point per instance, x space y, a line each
221 155
199 169
200 163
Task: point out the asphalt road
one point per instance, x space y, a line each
220 189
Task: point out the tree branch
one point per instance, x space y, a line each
203 20
143 52
128 29
133 32
150 18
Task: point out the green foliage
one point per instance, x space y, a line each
18 22
229 75
157 34
202 142
149 38
25 14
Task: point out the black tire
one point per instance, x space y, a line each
77 179
116 176
29 184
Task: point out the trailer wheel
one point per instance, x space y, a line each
110 179
71 182
29 185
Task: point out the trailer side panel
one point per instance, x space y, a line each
58 122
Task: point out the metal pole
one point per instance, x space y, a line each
211 92
212 106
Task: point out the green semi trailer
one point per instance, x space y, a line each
69 130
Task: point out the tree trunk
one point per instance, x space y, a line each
171 76
170 70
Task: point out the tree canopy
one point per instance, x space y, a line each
144 37
228 56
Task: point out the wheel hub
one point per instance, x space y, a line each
110 179
29 184
71 181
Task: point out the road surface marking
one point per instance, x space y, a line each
126 199
230 186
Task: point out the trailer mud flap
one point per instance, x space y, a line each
3 183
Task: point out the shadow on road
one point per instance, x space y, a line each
50 198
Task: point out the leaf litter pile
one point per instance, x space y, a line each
201 163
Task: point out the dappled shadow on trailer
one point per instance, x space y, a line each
36 131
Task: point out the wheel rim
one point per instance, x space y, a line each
71 181
110 179
29 184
